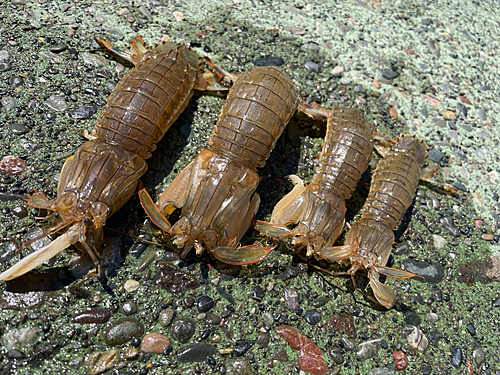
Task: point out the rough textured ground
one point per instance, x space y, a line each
446 58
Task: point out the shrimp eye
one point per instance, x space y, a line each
89 223
57 216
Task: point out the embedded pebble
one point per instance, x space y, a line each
263 339
94 60
99 362
336 354
92 316
131 285
19 338
439 242
312 66
155 343
417 340
382 371
130 353
122 331
258 293
389 74
435 155
165 317
292 299
238 366
196 353
205 303
431 317
242 347
269 61
12 166
179 16
479 356
432 273
212 319
8 103
84 112
280 355
128 308
343 323
57 48
15 354
56 103
146 12
337 70
368 349
182 329
400 360
456 356
5 67
312 317
5 55
174 280
449 225
348 344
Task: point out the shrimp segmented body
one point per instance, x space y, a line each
368 243
216 191
318 209
104 172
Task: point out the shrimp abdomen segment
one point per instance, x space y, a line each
258 107
148 100
346 152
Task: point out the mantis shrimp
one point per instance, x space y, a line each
216 191
368 243
104 172
318 209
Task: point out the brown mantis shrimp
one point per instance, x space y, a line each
318 209
368 243
104 172
216 191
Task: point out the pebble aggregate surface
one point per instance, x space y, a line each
429 68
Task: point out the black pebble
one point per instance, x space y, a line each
312 317
15 354
258 293
243 347
389 74
471 329
269 61
456 356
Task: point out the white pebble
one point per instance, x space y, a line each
439 242
131 285
179 16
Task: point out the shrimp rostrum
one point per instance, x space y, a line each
368 243
216 191
103 174
317 210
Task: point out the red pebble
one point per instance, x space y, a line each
479 224
409 51
12 166
400 360
465 100
310 355
98 316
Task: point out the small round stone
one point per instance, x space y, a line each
182 329
155 343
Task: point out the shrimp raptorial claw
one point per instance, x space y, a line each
244 255
37 258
